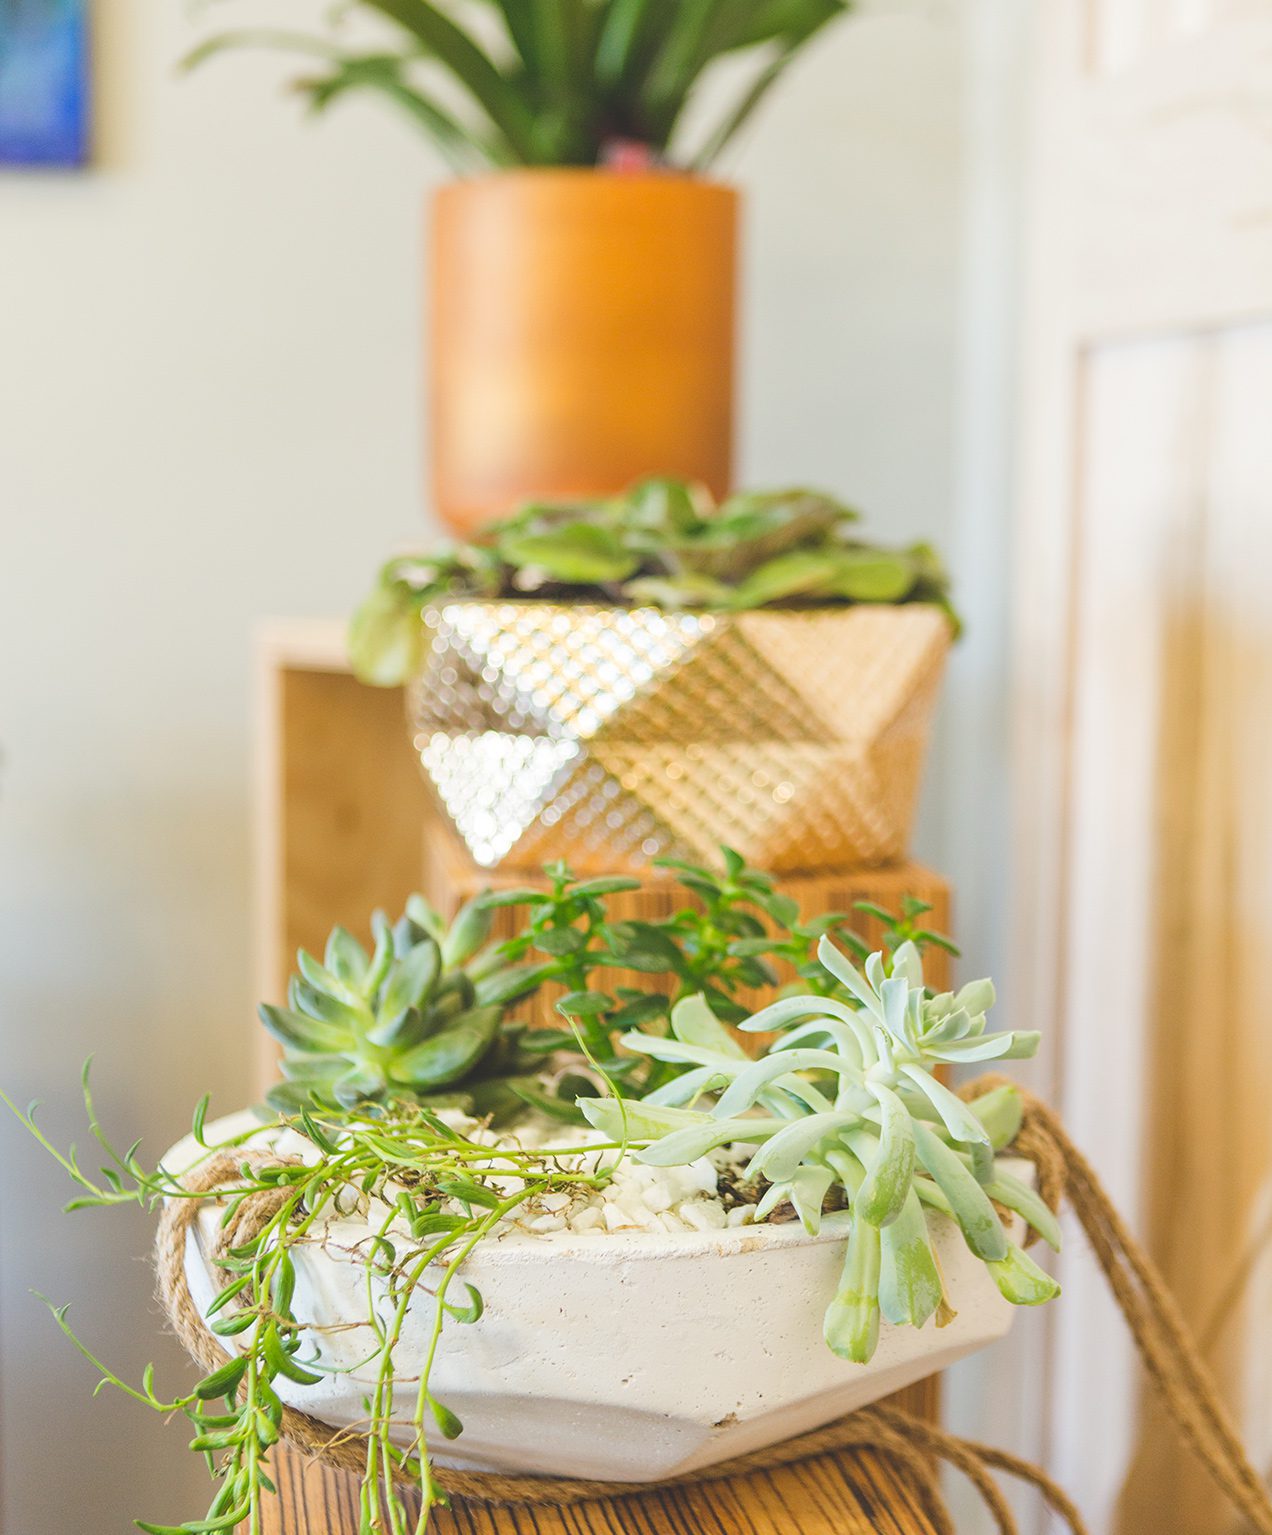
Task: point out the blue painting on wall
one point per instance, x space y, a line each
44 82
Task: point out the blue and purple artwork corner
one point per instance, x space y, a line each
44 83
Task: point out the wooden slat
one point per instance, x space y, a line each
852 1494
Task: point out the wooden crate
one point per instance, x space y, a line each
345 822
856 1493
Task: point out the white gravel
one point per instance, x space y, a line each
637 1198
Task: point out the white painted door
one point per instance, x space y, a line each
1142 699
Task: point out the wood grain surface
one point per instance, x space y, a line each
856 1493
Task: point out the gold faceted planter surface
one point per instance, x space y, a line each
610 736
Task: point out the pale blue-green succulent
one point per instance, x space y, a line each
846 1098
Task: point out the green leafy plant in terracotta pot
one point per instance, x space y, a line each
658 673
568 354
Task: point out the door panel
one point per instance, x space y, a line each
1143 701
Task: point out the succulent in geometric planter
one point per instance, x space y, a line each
390 1266
657 675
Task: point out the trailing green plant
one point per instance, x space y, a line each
664 543
846 1099
429 1194
570 82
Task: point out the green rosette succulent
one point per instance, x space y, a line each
663 543
424 1010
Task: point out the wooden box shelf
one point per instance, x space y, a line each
345 822
857 1493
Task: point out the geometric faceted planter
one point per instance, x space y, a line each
623 1357
610 736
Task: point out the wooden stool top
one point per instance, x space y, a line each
856 1493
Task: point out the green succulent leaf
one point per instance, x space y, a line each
578 552
976 1216
449 1055
886 1190
582 1004
386 637
467 933
400 1031
346 958
851 1327
782 1153
910 1287
1007 1190
511 984
297 1032
1020 1280
871 576
324 1008
1001 1113
412 979
693 1022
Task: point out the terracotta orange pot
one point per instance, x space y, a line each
582 335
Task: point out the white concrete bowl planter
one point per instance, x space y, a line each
625 1356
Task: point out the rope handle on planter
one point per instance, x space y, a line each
1165 1344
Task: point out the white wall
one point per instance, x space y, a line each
209 409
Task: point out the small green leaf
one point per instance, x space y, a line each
510 984
610 884
525 897
470 1313
793 574
446 1420
470 1193
1000 1112
582 1004
575 552
1012 1194
227 1295
886 1188
223 1381
323 1007
386 638
693 1022
361 1084
231 1326
869 575
559 941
